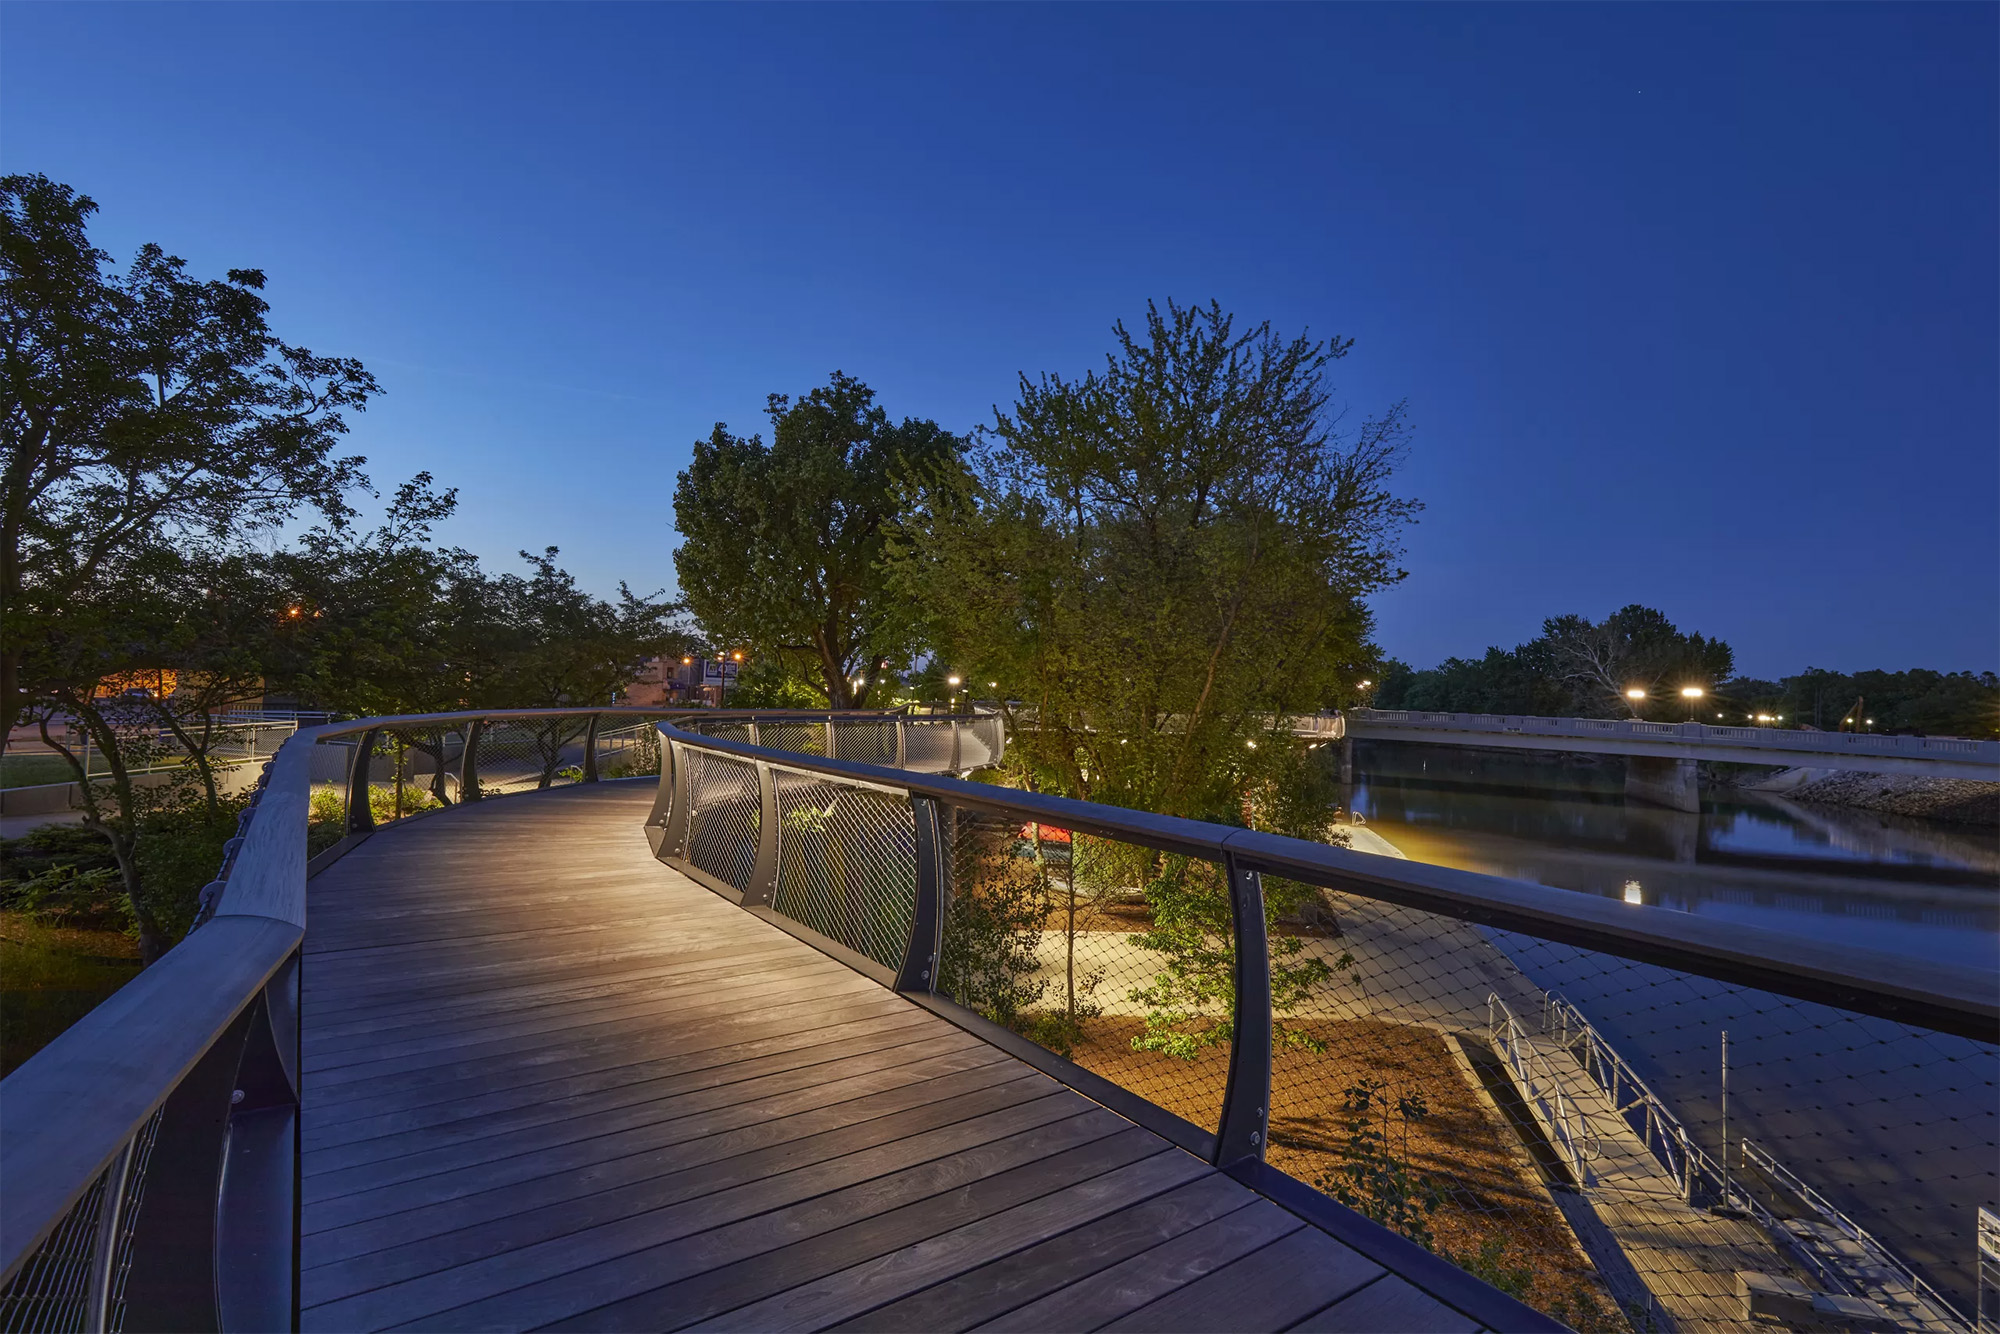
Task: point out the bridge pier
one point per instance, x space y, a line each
1663 782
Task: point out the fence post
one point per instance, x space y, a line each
1246 1101
954 745
900 747
360 819
763 885
920 957
590 748
468 763
830 730
756 739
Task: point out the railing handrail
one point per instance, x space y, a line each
70 1109
1947 998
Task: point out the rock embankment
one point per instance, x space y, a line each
1959 800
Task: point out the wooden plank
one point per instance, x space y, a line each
917 1264
508 1185
459 1231
984 1293
1388 1303
556 1023
839 1037
713 1035
1270 1288
1133 1283
468 1120
427 1151
485 1164
408 1282
667 1287
482 1060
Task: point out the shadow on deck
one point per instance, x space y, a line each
550 1082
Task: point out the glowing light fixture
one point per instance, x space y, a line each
1691 692
1635 693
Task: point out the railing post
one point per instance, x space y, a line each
756 739
954 744
590 748
679 818
360 819
763 885
901 750
1246 1101
831 748
468 763
920 957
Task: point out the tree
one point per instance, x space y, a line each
1162 560
1634 648
782 545
137 411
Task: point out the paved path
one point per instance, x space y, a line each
551 1083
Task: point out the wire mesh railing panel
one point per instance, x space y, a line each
979 743
1553 1119
927 744
528 755
52 1291
722 729
799 736
847 863
1115 956
414 771
628 750
865 740
128 1221
725 815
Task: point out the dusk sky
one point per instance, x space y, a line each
1695 306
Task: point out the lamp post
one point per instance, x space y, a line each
1636 694
951 702
1692 694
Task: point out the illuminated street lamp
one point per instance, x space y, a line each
1691 694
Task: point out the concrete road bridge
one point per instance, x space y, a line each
1662 756
751 1021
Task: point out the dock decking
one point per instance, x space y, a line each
550 1083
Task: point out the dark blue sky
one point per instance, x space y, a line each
1696 306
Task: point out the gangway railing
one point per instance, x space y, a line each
1251 996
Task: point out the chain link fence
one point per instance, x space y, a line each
847 863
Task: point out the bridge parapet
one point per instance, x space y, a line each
1943 756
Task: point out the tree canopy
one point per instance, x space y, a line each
140 410
1162 558
782 544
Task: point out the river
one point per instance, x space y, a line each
1900 1128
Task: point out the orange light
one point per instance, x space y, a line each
293 612
737 656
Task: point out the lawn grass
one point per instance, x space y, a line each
50 977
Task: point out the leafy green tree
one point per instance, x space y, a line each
781 546
138 410
1161 560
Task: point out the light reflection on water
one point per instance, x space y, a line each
1843 876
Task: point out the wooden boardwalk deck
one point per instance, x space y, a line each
550 1083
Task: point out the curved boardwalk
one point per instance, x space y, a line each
550 1083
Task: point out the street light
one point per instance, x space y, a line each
1691 694
1635 693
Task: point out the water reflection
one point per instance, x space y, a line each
1851 877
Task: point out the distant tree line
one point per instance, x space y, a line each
1582 668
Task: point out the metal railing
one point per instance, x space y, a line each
1303 1015
148 1156
1541 1085
1300 1013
